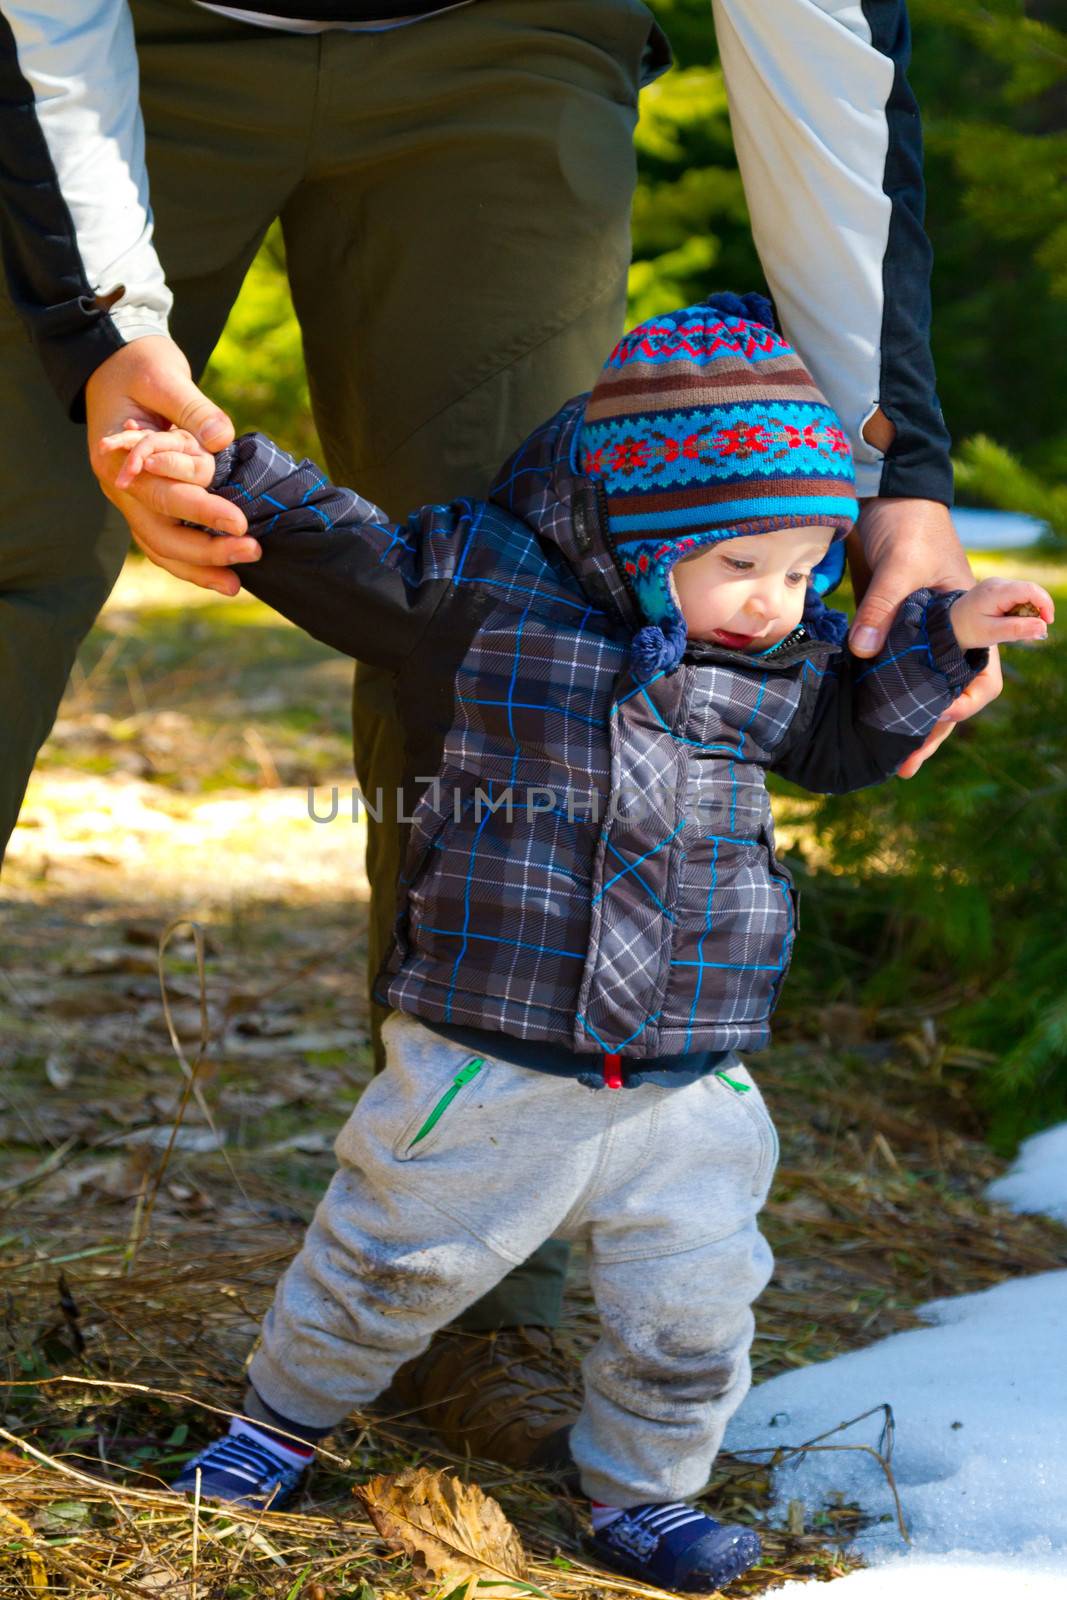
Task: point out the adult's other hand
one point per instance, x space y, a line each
899 546
148 383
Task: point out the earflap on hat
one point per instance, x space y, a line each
831 569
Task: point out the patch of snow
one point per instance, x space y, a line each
1038 1179
980 1405
955 1576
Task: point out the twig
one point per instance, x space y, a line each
142 1388
196 1534
783 1453
41 1170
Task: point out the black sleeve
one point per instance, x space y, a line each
917 463
869 715
332 562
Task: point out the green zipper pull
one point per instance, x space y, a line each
464 1075
742 1088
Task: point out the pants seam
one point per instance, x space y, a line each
607 1141
659 1254
484 1239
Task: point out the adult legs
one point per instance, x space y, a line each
60 552
227 113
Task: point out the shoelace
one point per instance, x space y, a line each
236 1455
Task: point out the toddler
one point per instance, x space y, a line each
595 667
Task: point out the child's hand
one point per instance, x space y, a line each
984 615
172 454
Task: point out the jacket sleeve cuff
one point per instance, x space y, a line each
138 322
926 479
957 666
225 463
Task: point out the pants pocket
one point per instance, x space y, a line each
428 1125
736 1081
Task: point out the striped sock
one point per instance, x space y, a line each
601 1515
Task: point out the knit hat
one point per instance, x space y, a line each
705 425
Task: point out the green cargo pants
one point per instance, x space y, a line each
455 200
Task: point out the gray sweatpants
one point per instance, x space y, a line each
449 1174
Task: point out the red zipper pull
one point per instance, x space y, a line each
613 1071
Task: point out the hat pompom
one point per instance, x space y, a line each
655 649
751 307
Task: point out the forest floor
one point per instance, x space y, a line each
136 1261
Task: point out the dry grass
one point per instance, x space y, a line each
132 1279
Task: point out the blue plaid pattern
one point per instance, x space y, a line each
594 864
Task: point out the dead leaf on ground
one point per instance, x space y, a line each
116 1179
452 1530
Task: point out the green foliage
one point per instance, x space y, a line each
257 369
990 80
690 221
991 475
955 882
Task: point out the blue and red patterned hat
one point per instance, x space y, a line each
705 425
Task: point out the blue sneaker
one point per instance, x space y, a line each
243 1469
677 1547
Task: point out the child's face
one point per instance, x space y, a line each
747 593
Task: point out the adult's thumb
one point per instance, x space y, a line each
208 421
177 398
873 619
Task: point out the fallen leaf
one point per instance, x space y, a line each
194 1141
452 1530
156 1578
115 1179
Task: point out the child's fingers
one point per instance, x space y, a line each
1006 593
180 466
1044 603
151 445
135 460
125 440
1012 630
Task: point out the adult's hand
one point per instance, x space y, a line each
148 384
899 546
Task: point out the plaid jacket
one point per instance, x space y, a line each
590 859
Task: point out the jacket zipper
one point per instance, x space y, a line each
463 1076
